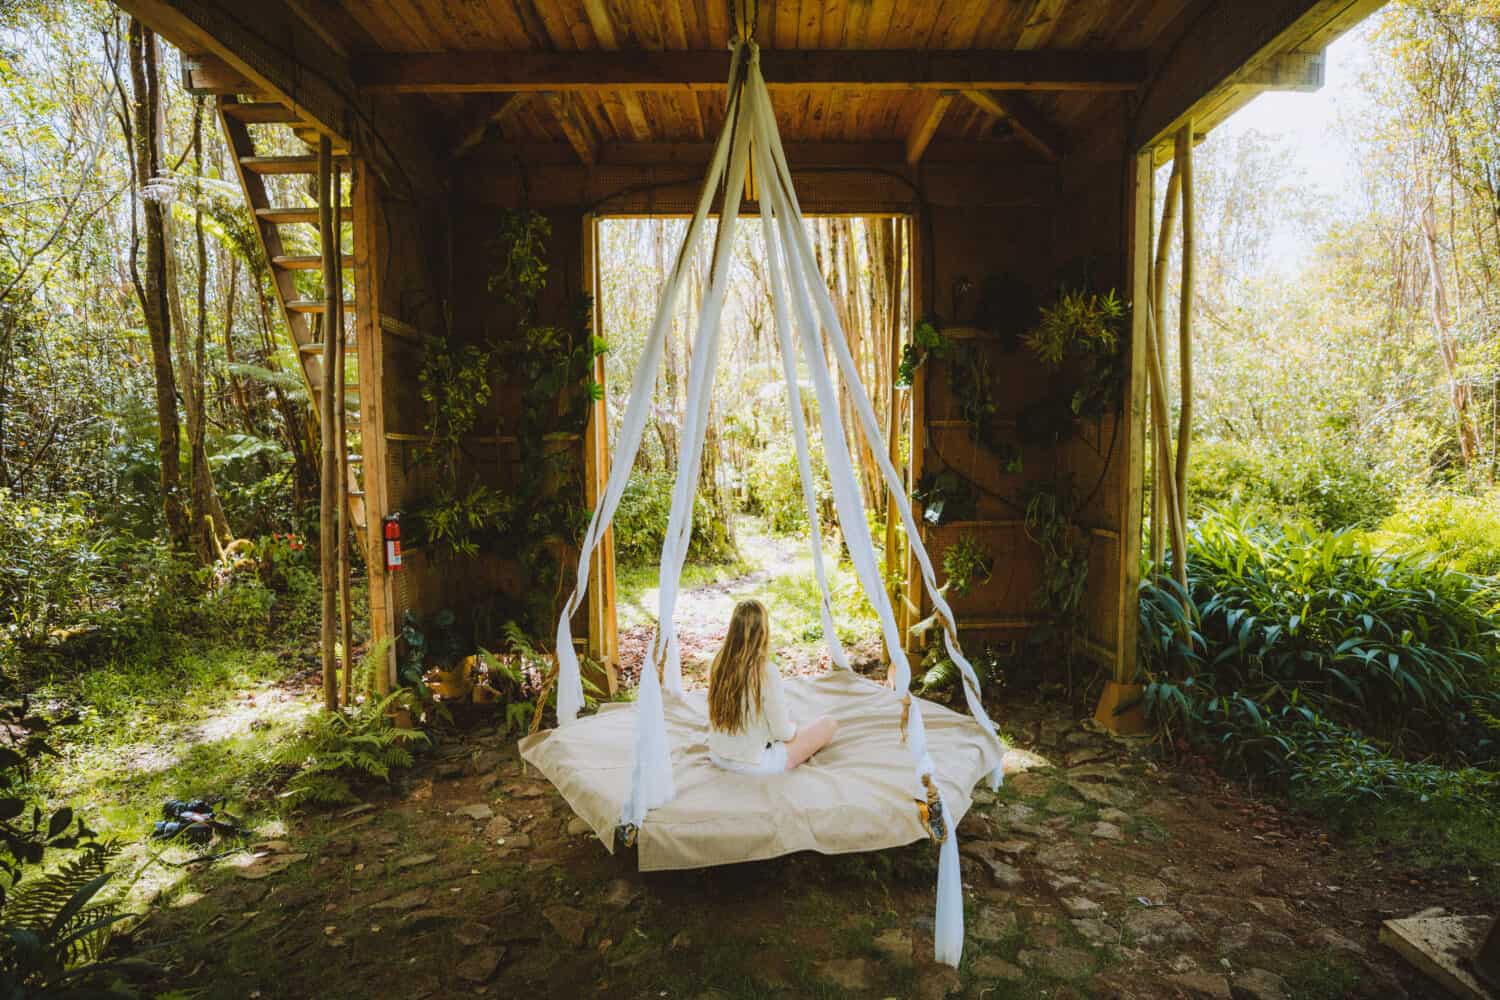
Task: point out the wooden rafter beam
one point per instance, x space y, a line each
925 126
269 46
479 72
1220 61
1299 71
1029 124
481 120
580 134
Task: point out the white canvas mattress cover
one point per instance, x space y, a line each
858 794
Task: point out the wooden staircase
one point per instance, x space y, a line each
304 315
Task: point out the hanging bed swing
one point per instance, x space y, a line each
901 769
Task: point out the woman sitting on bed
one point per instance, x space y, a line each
749 728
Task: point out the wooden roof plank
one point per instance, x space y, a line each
480 72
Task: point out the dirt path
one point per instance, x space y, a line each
1095 873
769 564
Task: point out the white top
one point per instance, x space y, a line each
771 722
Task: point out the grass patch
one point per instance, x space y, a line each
156 731
1326 976
1446 837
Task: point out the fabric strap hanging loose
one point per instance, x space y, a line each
801 304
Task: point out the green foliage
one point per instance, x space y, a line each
520 249
455 385
1078 338
1337 669
53 930
775 485
53 925
926 339
459 521
1051 524
337 751
640 523
1330 486
1459 531
966 563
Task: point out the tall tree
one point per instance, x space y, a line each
152 280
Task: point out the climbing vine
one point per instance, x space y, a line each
538 516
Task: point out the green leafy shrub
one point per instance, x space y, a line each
640 523
1336 668
776 487
965 564
53 925
1462 532
1329 486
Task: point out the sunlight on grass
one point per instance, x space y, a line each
202 726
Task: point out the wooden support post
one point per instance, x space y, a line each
327 427
915 594
334 320
1120 708
369 250
603 623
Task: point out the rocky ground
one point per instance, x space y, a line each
1093 873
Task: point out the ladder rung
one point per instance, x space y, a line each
290 216
315 305
316 347
281 164
309 262
287 215
262 113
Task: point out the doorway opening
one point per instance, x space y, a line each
750 524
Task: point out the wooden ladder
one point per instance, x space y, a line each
303 315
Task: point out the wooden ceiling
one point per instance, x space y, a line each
373 34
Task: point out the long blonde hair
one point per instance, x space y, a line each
734 679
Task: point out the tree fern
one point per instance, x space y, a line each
57 920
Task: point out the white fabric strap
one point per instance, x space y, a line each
793 275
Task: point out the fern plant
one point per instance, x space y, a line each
53 929
338 750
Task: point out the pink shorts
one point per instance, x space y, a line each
772 761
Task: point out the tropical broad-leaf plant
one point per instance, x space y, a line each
53 926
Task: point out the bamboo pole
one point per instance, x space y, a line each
1162 464
340 404
1184 156
1176 525
328 496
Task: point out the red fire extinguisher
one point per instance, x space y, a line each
392 524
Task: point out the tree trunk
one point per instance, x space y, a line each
1458 391
152 287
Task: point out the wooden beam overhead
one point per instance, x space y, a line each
479 72
478 124
575 127
1029 124
211 76
1298 71
925 126
1211 69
